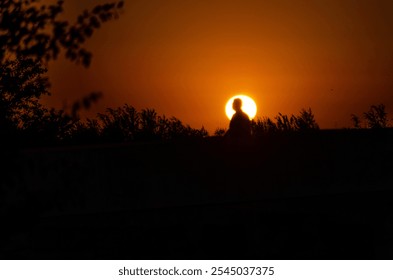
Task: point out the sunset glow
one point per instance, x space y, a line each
249 106
184 57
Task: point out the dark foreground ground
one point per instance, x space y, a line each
326 195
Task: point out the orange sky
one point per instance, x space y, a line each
185 58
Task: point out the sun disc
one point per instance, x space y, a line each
249 106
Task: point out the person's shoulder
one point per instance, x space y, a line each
245 116
236 115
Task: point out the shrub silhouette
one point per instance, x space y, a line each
126 124
219 132
86 132
375 118
285 123
148 124
30 36
121 124
173 128
357 123
305 121
22 83
262 126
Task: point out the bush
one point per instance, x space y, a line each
375 118
305 121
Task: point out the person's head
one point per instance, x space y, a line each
237 104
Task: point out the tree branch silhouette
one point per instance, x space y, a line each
35 31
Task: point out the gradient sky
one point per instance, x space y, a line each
185 58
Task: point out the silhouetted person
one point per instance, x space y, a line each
240 126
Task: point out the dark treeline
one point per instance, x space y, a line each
25 121
31 35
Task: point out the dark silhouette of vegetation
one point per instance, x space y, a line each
21 85
219 132
305 121
357 123
31 35
126 124
327 189
35 31
375 118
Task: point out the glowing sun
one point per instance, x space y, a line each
249 106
